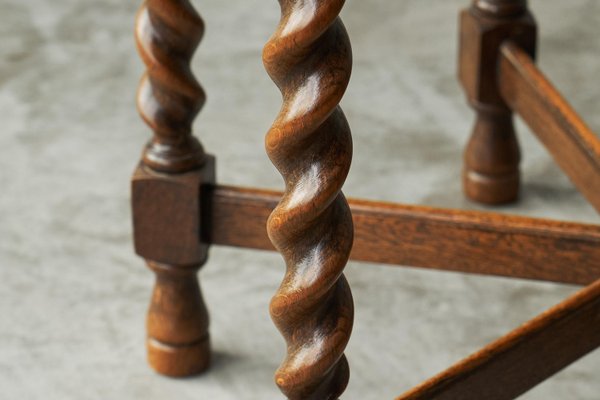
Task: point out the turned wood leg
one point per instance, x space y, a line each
167 187
177 323
309 58
491 169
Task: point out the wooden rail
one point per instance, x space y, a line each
572 143
523 358
465 241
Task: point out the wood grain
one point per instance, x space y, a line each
523 358
453 240
167 33
167 186
309 58
570 141
491 159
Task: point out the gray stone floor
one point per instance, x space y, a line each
72 294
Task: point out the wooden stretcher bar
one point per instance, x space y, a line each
571 142
524 357
454 240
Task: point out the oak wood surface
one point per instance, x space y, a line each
169 97
523 358
454 240
570 141
178 212
166 211
309 59
491 159
166 187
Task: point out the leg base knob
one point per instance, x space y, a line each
179 360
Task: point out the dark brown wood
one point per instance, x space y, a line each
167 33
166 214
523 358
572 143
167 187
178 341
178 211
309 58
491 169
454 240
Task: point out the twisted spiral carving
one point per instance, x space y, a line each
166 205
169 97
309 58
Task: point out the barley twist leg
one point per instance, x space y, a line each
166 187
309 58
169 97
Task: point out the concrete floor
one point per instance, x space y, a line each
73 296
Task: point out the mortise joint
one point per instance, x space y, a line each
482 32
167 214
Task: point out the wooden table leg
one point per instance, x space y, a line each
166 186
309 58
491 170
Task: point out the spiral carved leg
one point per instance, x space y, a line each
491 171
169 97
166 188
309 58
